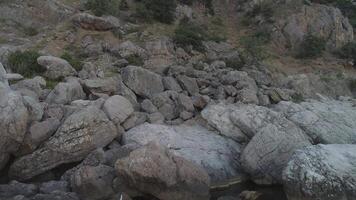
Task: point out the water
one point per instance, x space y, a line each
268 192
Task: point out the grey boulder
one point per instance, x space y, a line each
56 67
81 133
322 172
219 156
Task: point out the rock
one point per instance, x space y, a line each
107 86
51 186
218 155
81 133
274 138
326 122
319 20
167 104
143 82
65 93
127 49
269 151
188 84
91 22
56 67
14 118
163 174
322 172
246 85
171 83
219 117
156 118
93 183
30 87
57 195
221 51
38 133
161 55
186 115
118 109
34 108
14 77
16 188
249 195
3 73
148 106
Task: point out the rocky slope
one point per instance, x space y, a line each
120 111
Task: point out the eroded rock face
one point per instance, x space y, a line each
319 20
56 67
143 82
220 157
325 122
322 172
81 133
153 169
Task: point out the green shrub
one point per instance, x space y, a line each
30 31
254 44
103 7
135 60
75 62
348 51
207 3
25 63
160 10
264 10
123 5
189 34
311 47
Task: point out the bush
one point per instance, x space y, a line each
264 10
254 44
103 7
160 10
207 3
311 47
189 34
75 62
25 63
348 51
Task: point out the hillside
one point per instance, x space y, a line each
177 100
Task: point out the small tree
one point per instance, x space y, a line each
188 33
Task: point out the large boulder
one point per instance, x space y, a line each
326 122
271 138
56 67
118 109
81 133
219 156
154 170
14 118
66 92
322 172
143 82
91 22
320 20
93 182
